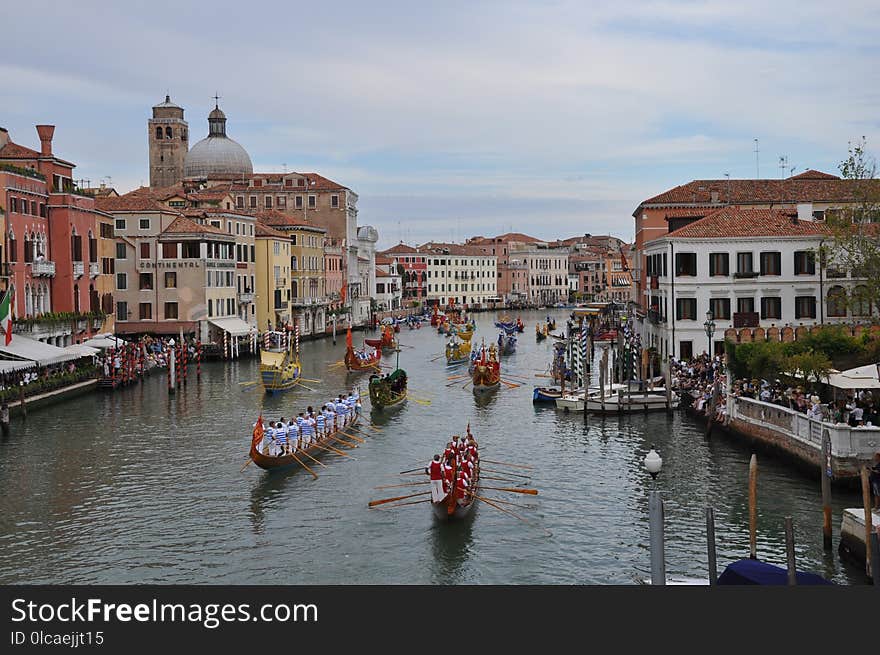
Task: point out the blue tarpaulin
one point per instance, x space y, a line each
752 571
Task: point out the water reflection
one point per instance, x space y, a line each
452 542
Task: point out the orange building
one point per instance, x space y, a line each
53 239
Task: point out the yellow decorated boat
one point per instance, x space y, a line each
458 351
279 362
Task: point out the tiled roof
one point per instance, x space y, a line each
183 225
400 249
314 181
14 151
505 238
132 202
732 222
384 261
277 218
811 186
264 230
472 250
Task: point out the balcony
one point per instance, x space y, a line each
78 269
655 317
740 275
745 319
246 297
94 269
44 268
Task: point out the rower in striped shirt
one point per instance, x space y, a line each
281 436
320 422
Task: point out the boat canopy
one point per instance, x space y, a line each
756 572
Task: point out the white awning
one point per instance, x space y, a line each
232 324
82 350
862 377
104 341
7 365
42 353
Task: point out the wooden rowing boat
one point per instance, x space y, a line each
449 508
280 367
389 391
276 463
487 371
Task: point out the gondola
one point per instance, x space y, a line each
273 463
354 363
487 371
388 391
386 342
540 335
520 326
279 362
546 394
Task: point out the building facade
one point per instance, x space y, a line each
272 299
415 271
464 275
168 143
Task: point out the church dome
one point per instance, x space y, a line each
217 155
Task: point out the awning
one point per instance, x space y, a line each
7 365
104 342
862 377
234 325
42 353
82 350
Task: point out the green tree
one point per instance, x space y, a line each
853 245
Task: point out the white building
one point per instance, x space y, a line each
755 269
546 270
389 287
460 275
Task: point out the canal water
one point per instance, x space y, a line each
139 487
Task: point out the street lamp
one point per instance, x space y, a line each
709 325
653 462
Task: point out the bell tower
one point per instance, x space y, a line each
168 136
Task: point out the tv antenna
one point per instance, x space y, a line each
783 164
757 162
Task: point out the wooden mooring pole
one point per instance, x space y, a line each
866 501
753 507
826 472
789 551
710 538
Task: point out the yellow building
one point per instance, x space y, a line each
273 277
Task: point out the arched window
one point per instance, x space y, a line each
168 133
159 132
293 263
28 305
295 289
861 301
76 297
836 301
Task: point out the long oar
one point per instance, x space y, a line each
358 439
516 466
404 484
246 464
489 477
303 385
249 383
420 469
533 492
373 503
310 380
523 476
313 459
513 514
343 442
409 502
333 450
303 464
511 385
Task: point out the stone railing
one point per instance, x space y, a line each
846 441
78 269
43 268
94 269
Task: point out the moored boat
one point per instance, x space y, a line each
622 401
546 394
279 362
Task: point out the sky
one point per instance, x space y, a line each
457 119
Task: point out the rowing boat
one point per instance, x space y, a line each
487 371
273 463
389 391
280 367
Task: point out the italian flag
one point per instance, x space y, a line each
7 312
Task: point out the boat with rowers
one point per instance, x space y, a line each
307 449
386 341
458 351
389 390
459 470
357 361
487 370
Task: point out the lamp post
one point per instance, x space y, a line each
653 462
709 325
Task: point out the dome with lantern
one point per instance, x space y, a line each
217 156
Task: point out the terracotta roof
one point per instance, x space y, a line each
132 202
689 212
472 250
315 182
504 238
732 222
264 230
277 218
400 249
811 186
384 261
183 225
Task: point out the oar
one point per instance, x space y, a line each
249 383
422 469
313 459
343 442
310 380
507 511
404 484
373 503
519 475
303 464
333 450
532 492
489 477
516 466
409 502
510 384
356 438
246 464
302 385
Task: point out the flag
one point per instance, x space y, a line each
258 432
348 338
343 290
7 312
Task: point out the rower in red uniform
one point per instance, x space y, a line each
461 490
449 453
448 473
435 470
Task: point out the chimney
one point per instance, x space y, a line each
4 137
46 133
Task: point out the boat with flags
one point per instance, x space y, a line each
360 360
487 370
261 447
280 368
506 343
386 341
